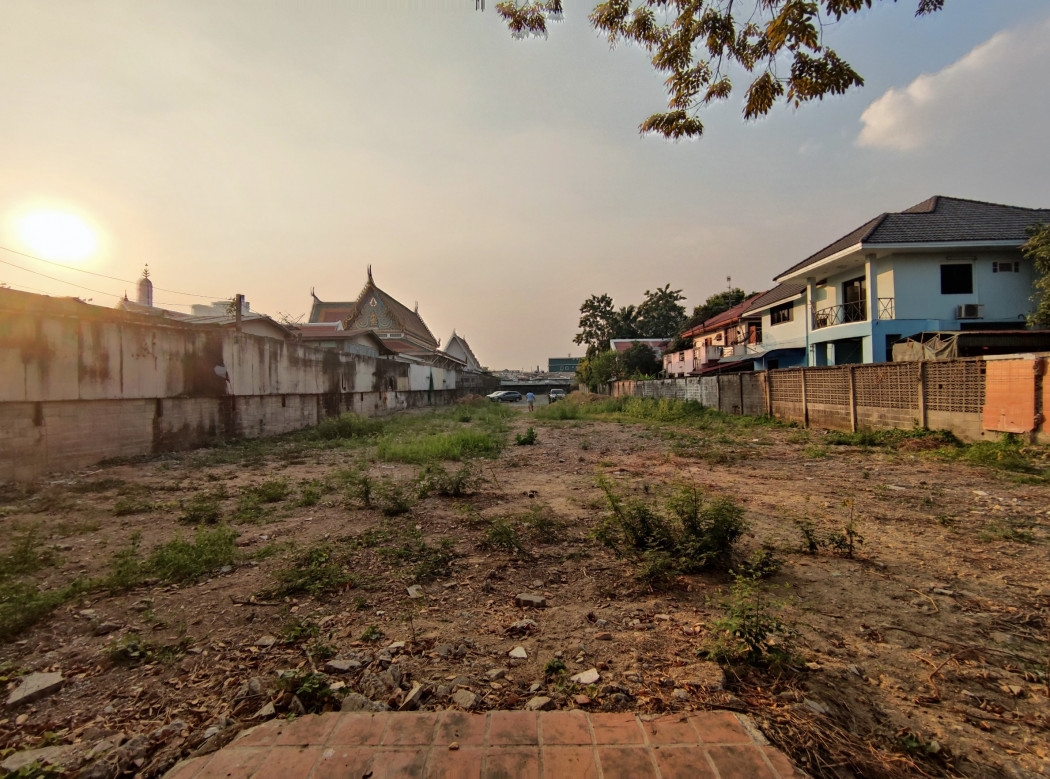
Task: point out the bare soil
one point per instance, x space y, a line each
924 654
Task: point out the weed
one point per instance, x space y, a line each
310 493
432 562
358 486
312 690
501 535
392 497
762 564
436 480
27 555
432 447
815 451
528 439
372 633
746 631
132 650
348 425
313 572
542 525
23 604
554 667
845 542
656 570
129 505
203 508
698 533
914 438
299 630
798 437
585 445
97 485
1007 531
319 650
812 541
180 560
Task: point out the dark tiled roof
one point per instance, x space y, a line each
780 292
935 220
727 316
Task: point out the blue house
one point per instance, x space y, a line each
943 264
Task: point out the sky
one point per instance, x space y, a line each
271 148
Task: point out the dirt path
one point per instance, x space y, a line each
925 653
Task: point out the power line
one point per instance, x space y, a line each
60 281
101 275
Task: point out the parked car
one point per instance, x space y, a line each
495 396
556 394
509 396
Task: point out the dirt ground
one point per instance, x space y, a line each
924 654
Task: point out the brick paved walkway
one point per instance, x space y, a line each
511 744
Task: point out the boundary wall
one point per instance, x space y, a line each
81 383
973 398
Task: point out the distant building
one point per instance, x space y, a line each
656 344
563 364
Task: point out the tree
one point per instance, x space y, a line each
597 321
1037 249
598 369
661 314
639 360
696 43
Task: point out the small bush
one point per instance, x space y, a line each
698 533
181 560
202 509
348 425
299 630
501 535
28 554
312 690
436 480
127 506
746 633
393 498
313 572
372 633
528 439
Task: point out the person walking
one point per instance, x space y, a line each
531 398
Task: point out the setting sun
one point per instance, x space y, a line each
58 235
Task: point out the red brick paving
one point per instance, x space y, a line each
512 744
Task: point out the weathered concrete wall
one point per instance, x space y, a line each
974 398
80 383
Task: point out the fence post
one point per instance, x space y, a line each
922 394
767 390
805 403
740 385
852 401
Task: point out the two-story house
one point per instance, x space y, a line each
943 264
716 338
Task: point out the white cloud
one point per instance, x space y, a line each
979 97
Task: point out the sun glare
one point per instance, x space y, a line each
57 235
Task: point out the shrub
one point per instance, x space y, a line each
528 439
436 480
348 425
502 535
181 560
698 533
129 505
314 571
746 632
202 509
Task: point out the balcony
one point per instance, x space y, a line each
850 312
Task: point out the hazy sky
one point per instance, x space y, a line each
270 147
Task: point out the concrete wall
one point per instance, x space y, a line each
975 398
82 383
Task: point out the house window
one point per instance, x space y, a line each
781 313
957 279
1006 267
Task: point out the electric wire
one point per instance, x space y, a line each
101 275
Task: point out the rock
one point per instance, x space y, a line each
590 676
266 712
265 641
341 666
495 673
413 699
582 700
105 628
605 636
602 623
518 653
374 687
815 706
680 694
530 601
357 702
55 756
539 703
706 676
522 627
34 687
465 699
536 583
444 650
535 687
396 648
415 592
454 746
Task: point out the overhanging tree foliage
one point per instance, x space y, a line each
660 315
696 43
1037 249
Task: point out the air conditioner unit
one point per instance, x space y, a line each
969 311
